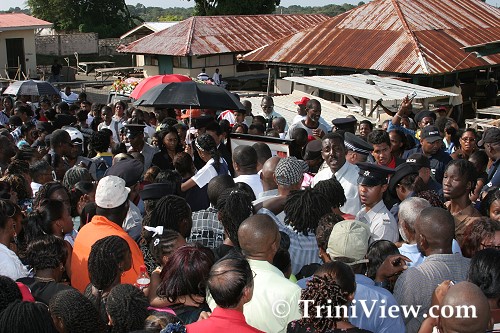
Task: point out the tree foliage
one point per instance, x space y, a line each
232 7
109 18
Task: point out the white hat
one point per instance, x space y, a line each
349 239
76 135
111 192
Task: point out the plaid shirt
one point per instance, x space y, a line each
207 229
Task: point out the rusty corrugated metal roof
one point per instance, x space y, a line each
397 36
18 21
203 35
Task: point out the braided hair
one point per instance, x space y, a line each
22 317
104 263
304 208
76 312
234 207
205 142
9 292
19 185
169 212
330 286
127 307
46 191
333 191
163 245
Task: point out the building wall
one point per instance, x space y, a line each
68 44
29 50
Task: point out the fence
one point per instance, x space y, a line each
82 43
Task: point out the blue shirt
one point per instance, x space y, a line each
493 176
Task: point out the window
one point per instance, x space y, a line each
181 62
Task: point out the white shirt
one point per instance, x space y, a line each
382 223
251 180
348 178
114 126
309 131
72 98
216 78
10 264
271 290
456 100
205 174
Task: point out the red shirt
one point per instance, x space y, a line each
90 233
392 163
220 320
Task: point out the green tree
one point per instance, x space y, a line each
232 7
109 18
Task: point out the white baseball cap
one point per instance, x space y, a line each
111 192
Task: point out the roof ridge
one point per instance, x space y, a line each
413 38
190 35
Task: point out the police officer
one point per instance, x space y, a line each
372 183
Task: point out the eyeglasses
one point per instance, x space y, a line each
491 246
468 139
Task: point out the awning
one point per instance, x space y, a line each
369 86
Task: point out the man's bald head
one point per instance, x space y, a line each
267 174
259 237
437 226
465 294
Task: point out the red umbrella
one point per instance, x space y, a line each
155 80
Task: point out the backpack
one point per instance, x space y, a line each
100 168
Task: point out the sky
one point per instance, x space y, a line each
6 4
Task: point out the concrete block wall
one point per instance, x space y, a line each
67 44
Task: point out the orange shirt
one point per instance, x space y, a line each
99 228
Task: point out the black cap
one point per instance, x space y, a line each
419 160
313 150
491 135
128 169
343 123
134 130
203 121
44 126
430 133
372 174
425 113
356 144
156 191
402 171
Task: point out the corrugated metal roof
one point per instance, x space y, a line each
150 27
397 36
384 88
204 35
284 105
20 21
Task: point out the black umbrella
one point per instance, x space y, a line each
31 88
183 95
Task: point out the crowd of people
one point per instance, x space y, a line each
114 219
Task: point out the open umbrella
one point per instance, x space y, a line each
155 80
31 88
183 95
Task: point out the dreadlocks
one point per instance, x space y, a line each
77 313
170 211
234 207
9 292
333 191
127 307
304 208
